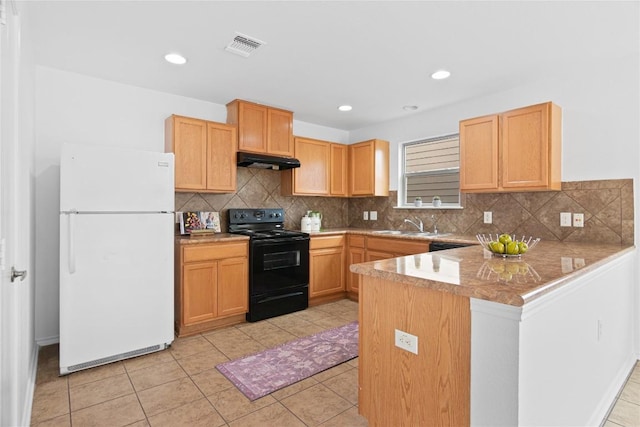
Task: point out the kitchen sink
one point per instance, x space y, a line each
411 233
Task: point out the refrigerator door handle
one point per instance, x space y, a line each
72 246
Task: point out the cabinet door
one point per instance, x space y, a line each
252 127
312 177
356 255
233 286
338 170
190 148
280 132
326 271
200 293
369 168
479 154
221 157
361 169
526 147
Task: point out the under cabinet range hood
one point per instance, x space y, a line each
263 161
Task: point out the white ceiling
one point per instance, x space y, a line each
374 55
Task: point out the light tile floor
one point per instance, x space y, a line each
181 387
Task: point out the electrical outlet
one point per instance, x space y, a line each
406 341
578 220
373 215
488 217
565 219
365 215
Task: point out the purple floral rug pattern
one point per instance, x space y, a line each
262 373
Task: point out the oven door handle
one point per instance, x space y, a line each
279 240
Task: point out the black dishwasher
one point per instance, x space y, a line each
441 246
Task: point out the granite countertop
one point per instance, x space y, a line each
473 272
209 238
445 237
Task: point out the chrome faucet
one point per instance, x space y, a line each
435 224
419 226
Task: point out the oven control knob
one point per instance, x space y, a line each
242 216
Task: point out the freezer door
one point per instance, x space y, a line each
105 179
116 284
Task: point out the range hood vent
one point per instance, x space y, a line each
263 161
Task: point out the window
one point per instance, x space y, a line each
431 167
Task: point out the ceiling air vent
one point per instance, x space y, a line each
243 45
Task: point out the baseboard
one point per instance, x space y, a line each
31 387
43 342
608 400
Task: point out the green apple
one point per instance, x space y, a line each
497 247
522 247
512 248
504 239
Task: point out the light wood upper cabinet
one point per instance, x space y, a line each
322 170
338 183
479 153
369 168
205 154
519 150
312 177
262 129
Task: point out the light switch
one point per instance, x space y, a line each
373 215
565 219
578 220
365 215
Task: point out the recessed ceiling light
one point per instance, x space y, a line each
440 74
410 107
345 108
175 58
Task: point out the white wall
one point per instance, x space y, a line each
600 119
76 108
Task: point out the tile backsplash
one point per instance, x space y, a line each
607 206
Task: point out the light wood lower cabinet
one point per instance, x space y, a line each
212 287
326 268
355 255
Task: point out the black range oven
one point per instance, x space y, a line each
278 262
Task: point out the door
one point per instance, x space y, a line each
116 284
17 226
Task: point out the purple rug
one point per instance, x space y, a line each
262 373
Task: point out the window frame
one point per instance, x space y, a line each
402 175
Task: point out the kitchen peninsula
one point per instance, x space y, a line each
544 340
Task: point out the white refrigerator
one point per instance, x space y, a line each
116 254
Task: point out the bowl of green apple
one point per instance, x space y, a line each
507 245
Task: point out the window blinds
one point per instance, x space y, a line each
432 168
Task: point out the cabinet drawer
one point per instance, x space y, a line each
326 242
356 241
397 245
214 251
